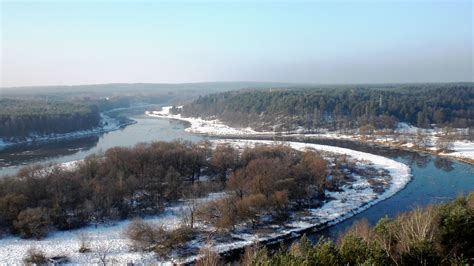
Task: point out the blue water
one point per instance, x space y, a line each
434 180
145 129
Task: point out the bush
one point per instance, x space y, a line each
35 257
208 257
353 250
254 255
325 253
147 237
457 227
33 222
144 236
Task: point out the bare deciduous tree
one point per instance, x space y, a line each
188 214
84 242
102 252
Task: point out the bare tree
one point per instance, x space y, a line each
102 252
421 140
223 158
188 213
444 143
85 242
414 227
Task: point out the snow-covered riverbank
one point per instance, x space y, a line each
463 150
354 197
107 124
205 127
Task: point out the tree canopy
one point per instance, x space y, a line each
341 107
20 118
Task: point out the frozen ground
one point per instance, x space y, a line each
101 238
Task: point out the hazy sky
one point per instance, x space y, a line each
60 43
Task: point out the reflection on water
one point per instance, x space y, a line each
444 164
145 130
34 152
435 179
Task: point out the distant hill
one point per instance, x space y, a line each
134 92
114 88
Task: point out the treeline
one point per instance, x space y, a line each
436 235
129 182
22 118
341 107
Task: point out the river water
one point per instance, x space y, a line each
435 179
145 129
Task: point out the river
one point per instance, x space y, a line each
145 129
435 179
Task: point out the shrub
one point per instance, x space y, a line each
325 253
353 250
457 227
208 257
144 236
33 222
254 255
173 239
35 257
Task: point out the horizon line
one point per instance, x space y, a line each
244 81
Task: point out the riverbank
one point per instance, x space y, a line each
404 137
107 124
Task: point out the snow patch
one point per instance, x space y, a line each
110 237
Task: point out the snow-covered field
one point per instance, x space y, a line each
110 238
107 124
101 239
201 126
462 149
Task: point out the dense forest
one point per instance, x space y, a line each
129 182
341 107
22 118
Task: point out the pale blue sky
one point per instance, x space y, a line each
54 43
